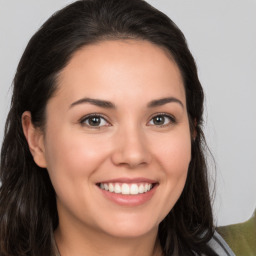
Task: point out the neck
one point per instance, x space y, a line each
95 244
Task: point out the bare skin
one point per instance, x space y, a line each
118 118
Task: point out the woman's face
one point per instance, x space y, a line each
117 142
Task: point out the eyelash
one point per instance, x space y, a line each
86 118
172 119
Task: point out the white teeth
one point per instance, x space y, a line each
106 186
141 188
111 187
134 189
126 189
149 187
117 189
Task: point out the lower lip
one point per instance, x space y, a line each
129 200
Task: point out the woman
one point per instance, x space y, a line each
103 148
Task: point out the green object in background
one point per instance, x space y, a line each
241 237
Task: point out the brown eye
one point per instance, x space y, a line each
94 121
158 120
162 120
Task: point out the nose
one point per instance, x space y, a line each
131 148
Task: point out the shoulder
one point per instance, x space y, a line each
241 236
219 246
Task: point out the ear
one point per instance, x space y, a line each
35 139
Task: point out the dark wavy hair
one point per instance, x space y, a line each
28 212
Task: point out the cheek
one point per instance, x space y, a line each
174 157
71 158
180 156
71 163
175 153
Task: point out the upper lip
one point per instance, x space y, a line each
129 180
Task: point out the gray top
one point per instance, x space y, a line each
218 244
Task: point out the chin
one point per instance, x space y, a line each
130 228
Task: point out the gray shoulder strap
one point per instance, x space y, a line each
218 244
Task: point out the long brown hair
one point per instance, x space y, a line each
28 213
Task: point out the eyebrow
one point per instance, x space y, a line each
108 104
163 101
96 102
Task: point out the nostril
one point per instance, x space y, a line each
131 159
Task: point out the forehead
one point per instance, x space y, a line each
120 68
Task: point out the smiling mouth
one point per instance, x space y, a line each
127 188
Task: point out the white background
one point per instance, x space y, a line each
222 37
